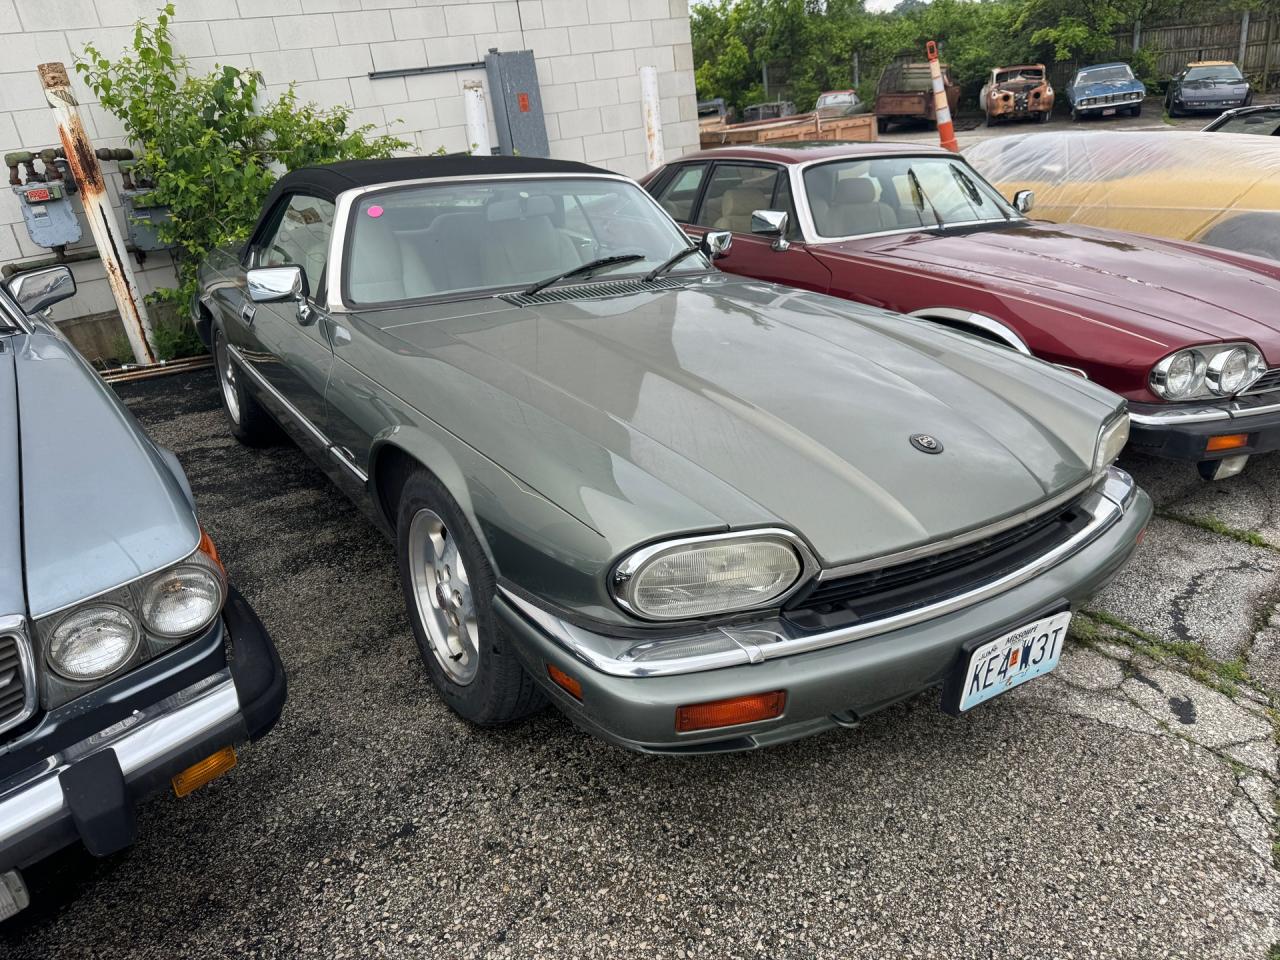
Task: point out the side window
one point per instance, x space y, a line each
678 196
301 237
733 193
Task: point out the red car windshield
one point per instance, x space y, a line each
850 198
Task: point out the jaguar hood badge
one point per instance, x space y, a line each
925 443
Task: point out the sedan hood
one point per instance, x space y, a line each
1195 90
100 507
1104 88
764 404
1164 292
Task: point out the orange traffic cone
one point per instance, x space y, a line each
941 108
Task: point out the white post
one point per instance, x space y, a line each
107 235
477 118
650 103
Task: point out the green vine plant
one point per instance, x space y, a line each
213 145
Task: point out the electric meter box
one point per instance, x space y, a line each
142 218
48 213
517 104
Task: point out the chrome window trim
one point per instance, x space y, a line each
15 627
346 200
755 643
626 568
810 231
338 453
18 321
962 539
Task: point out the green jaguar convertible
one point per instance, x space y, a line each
695 511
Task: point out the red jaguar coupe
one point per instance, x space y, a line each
1190 335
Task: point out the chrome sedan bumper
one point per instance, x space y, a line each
88 790
832 678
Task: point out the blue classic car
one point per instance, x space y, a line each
127 662
1104 91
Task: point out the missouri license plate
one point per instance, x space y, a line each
999 665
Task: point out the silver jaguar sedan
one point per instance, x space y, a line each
697 512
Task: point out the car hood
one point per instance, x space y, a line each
1104 88
760 404
100 507
1211 90
1165 293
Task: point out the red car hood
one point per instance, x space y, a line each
1163 292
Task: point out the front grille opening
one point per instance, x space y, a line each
875 594
14 696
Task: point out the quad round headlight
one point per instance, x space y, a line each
93 642
184 599
706 575
1216 370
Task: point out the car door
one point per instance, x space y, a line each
722 196
288 342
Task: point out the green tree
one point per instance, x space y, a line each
212 145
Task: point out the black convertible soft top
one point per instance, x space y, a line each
333 178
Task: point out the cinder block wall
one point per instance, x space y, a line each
588 52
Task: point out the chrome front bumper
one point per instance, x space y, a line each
36 815
727 646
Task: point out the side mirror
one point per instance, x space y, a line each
277 284
39 290
771 223
716 243
1024 201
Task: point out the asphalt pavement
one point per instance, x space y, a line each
1123 807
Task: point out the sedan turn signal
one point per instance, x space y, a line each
198 774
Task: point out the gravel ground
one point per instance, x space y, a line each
1118 808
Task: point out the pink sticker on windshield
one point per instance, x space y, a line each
375 212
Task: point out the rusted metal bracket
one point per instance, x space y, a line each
107 236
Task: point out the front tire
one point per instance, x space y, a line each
249 422
449 589
1075 115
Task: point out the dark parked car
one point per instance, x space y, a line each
127 663
839 103
1188 334
697 512
774 110
1104 91
1262 120
1214 85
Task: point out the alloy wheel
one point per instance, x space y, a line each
446 607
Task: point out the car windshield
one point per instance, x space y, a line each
850 198
1266 124
451 239
1025 73
1104 74
1218 71
836 99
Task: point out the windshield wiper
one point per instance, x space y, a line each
921 199
579 270
670 262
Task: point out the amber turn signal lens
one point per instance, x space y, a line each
568 684
1227 441
198 774
209 550
731 712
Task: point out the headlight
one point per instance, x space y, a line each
183 600
706 575
1111 440
93 642
1217 370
